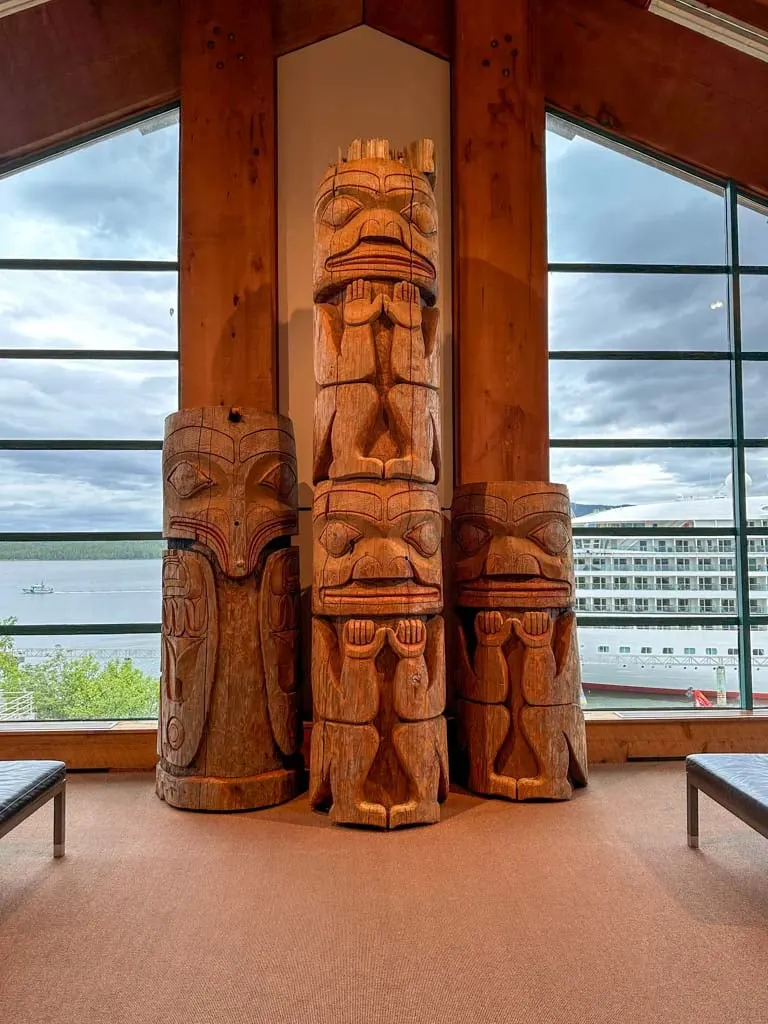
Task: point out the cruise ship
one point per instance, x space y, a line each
672 576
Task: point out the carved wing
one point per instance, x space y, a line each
279 628
189 648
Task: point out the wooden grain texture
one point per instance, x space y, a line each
298 23
122 747
379 749
657 84
227 279
520 721
73 66
500 256
229 701
427 24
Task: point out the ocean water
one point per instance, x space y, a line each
86 591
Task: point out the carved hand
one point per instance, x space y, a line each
358 308
404 308
535 630
492 629
361 638
408 639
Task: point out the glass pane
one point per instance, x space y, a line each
88 310
642 399
49 678
630 667
753 233
631 576
638 311
60 491
755 380
116 198
759 645
86 398
647 486
607 206
754 313
756 461
80 581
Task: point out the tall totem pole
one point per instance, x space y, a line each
229 712
379 753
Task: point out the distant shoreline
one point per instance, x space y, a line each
75 550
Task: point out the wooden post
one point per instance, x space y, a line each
500 255
227 282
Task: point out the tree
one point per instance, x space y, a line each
63 686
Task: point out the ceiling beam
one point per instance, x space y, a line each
427 24
657 84
70 67
298 23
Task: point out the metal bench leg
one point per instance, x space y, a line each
693 816
59 821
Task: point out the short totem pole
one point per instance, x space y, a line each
379 752
229 711
520 717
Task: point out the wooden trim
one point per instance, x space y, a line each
228 243
425 24
614 739
611 738
73 67
500 254
299 23
657 84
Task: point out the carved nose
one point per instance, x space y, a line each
382 229
369 568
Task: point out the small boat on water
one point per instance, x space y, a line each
37 588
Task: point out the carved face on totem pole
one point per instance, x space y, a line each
377 549
376 219
229 483
512 545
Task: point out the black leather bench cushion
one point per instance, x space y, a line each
22 781
741 780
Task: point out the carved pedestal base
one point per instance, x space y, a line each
196 793
379 747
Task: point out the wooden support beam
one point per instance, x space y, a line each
427 25
227 280
500 257
71 67
658 84
299 23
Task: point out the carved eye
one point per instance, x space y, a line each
553 537
425 538
340 210
422 216
338 538
281 478
471 538
187 480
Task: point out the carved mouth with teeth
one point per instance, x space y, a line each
384 258
515 591
388 596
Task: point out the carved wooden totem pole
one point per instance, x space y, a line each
229 710
379 753
519 714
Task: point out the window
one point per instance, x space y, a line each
733 650
711 650
602 649
646 650
644 275
667 650
89 370
623 650
689 650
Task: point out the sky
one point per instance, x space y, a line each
117 199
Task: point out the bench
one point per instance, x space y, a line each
737 781
27 785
